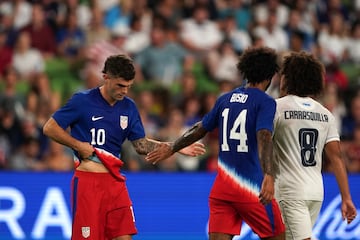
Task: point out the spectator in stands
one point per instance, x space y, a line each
4 151
144 13
71 40
207 102
41 34
31 129
297 41
54 12
183 26
240 10
264 9
221 63
96 53
6 52
11 91
272 35
333 40
163 61
326 8
7 23
187 87
27 60
58 158
10 127
352 152
353 45
138 39
299 36
119 14
332 99
170 11
352 118
191 110
149 111
199 34
80 8
27 158
173 127
306 11
334 74
20 11
41 99
96 31
240 39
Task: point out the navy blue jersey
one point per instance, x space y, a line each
238 115
92 119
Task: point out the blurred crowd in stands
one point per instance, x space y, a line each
185 53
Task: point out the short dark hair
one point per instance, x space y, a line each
303 73
258 64
119 66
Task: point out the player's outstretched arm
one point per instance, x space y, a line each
333 152
145 145
186 144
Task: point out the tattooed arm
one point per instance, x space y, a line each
265 149
182 145
145 145
196 132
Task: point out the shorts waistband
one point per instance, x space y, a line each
79 173
93 158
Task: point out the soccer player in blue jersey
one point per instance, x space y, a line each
100 120
244 186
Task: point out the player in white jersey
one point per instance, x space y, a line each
303 128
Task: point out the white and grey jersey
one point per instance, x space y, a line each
302 127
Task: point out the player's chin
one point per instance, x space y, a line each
119 97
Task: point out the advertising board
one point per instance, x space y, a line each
168 206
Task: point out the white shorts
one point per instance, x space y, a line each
299 217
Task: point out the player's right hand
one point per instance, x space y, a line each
162 152
348 211
85 150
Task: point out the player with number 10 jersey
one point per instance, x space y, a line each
100 124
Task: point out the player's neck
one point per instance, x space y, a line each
262 85
107 98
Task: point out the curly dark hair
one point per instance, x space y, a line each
303 73
119 66
258 64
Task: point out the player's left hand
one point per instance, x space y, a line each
267 189
194 150
348 211
164 151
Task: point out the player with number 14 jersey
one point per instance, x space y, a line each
239 115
